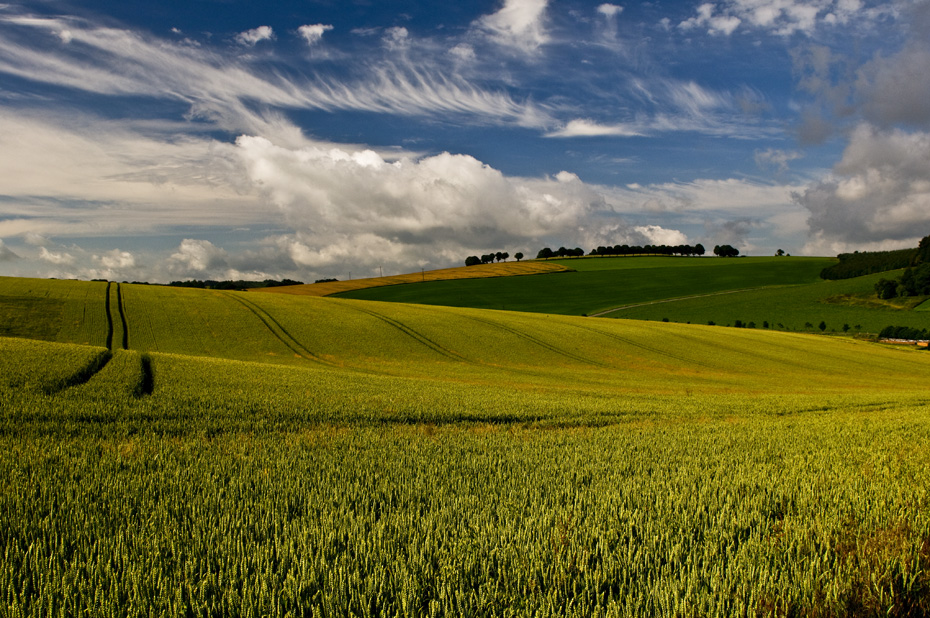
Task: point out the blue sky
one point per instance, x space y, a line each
232 139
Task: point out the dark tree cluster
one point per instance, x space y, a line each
862 263
904 332
913 281
209 284
490 258
545 253
697 249
325 280
726 251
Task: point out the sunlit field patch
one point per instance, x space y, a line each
275 455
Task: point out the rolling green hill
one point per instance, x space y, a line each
512 356
850 302
785 293
601 284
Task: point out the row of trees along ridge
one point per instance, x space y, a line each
698 249
500 256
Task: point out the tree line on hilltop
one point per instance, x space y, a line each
861 263
698 249
209 284
489 258
625 250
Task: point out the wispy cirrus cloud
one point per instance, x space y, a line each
111 61
583 127
673 106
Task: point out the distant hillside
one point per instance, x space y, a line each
868 263
605 283
480 271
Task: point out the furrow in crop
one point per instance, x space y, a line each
122 316
642 346
276 329
421 338
146 384
82 375
540 342
109 319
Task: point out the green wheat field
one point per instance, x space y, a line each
183 452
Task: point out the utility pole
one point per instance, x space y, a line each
380 272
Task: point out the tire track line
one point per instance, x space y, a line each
675 300
539 342
419 337
109 319
283 336
122 316
643 346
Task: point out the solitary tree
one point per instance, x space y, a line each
472 260
518 255
780 252
822 326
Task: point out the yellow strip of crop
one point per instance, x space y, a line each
499 269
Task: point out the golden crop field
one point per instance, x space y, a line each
270 454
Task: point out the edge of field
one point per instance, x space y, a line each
481 271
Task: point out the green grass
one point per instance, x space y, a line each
261 454
605 283
847 301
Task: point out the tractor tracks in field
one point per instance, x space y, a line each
145 381
643 346
280 333
415 335
674 300
122 316
539 342
106 303
111 322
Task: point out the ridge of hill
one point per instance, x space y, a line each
342 337
480 271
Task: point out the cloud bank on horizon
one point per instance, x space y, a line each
312 140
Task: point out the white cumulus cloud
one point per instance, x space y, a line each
198 256
879 192
59 259
255 35
715 24
519 24
313 34
116 259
